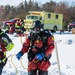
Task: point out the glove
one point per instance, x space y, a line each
40 56
19 55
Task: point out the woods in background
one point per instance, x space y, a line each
66 8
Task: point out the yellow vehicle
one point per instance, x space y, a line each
51 21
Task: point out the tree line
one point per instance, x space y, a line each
21 10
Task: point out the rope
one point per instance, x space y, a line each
20 59
23 65
35 61
13 64
21 38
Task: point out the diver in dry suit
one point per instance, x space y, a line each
39 45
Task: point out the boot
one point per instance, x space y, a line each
40 72
33 72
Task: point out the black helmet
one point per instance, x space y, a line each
37 24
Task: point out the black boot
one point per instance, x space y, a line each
33 72
43 72
1 68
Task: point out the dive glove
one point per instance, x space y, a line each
19 55
40 56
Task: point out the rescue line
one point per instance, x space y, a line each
13 64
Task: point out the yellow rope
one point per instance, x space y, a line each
21 58
13 64
22 64
36 61
21 40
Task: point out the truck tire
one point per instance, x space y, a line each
55 28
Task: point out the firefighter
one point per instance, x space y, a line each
18 27
7 28
12 29
5 45
39 45
22 27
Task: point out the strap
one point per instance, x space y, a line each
3 60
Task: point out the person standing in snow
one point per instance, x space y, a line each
39 44
6 44
18 27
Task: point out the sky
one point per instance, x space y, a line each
66 53
16 2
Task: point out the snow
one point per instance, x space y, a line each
66 51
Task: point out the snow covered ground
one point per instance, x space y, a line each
66 52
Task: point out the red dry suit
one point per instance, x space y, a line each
44 44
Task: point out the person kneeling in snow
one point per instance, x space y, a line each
5 45
39 45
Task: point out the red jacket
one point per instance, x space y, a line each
2 50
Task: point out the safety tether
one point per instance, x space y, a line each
15 65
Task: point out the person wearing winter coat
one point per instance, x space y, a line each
11 29
22 27
39 45
18 27
6 44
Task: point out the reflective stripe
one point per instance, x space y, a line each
1 33
9 46
52 38
4 53
3 60
0 48
5 39
16 25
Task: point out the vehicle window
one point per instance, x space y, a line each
12 20
40 18
73 22
56 17
49 15
32 17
